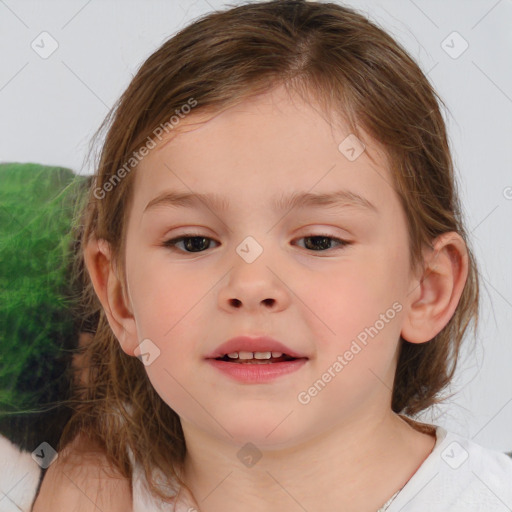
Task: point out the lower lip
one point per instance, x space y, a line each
255 373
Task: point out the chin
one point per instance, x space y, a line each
264 430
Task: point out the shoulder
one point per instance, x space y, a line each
461 476
458 451
492 460
82 480
492 468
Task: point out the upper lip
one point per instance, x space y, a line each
252 344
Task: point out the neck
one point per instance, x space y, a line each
354 468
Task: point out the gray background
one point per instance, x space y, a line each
51 106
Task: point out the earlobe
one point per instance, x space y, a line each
435 295
108 288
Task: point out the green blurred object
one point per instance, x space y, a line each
38 329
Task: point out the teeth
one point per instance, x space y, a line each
254 355
262 355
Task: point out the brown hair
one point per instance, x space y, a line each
351 68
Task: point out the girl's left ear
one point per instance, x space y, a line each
435 295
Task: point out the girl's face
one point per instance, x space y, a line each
258 270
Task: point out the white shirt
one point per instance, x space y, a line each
458 476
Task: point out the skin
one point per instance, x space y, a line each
321 300
81 477
82 480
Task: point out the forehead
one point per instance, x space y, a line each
267 144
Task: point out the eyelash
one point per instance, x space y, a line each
171 243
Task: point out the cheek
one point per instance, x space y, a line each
176 377
360 301
170 384
163 296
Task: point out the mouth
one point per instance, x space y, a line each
256 358
254 350
257 367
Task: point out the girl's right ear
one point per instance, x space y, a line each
108 288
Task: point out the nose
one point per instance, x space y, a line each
237 303
254 287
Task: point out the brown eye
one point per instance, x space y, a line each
321 243
198 243
191 243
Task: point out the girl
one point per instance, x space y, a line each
283 281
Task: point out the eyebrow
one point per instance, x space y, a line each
215 202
